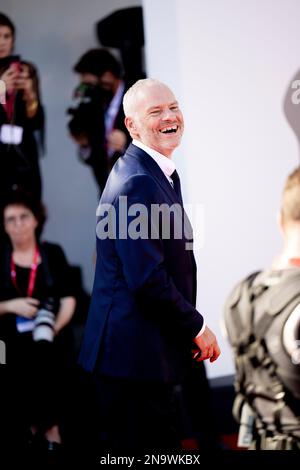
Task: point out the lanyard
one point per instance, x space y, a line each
32 275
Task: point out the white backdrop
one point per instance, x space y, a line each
230 63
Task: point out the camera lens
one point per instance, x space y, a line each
44 322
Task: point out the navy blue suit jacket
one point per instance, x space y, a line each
142 317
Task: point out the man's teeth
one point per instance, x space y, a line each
169 129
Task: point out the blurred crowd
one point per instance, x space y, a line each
43 304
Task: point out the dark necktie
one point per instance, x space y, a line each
176 184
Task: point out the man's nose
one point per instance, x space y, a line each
167 115
18 222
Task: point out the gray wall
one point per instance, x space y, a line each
53 34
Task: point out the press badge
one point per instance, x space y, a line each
10 134
24 324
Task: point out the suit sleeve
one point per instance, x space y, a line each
143 260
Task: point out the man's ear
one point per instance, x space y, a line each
131 127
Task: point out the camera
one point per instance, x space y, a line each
90 102
87 128
44 321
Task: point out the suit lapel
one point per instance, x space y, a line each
152 167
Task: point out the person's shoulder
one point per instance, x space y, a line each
236 292
128 178
140 186
51 249
136 185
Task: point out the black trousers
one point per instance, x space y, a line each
136 416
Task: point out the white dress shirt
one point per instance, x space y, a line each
166 165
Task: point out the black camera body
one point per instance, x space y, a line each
88 112
87 127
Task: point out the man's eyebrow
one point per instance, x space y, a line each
152 108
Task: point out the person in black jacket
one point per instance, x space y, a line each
262 320
98 127
36 305
21 119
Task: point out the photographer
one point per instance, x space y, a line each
98 122
87 128
21 119
36 305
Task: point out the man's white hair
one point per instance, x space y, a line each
132 92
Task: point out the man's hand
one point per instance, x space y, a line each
208 346
117 140
25 307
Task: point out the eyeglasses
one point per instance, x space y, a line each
22 218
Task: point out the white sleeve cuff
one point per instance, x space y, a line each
202 329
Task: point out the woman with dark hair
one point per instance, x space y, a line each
21 119
36 305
